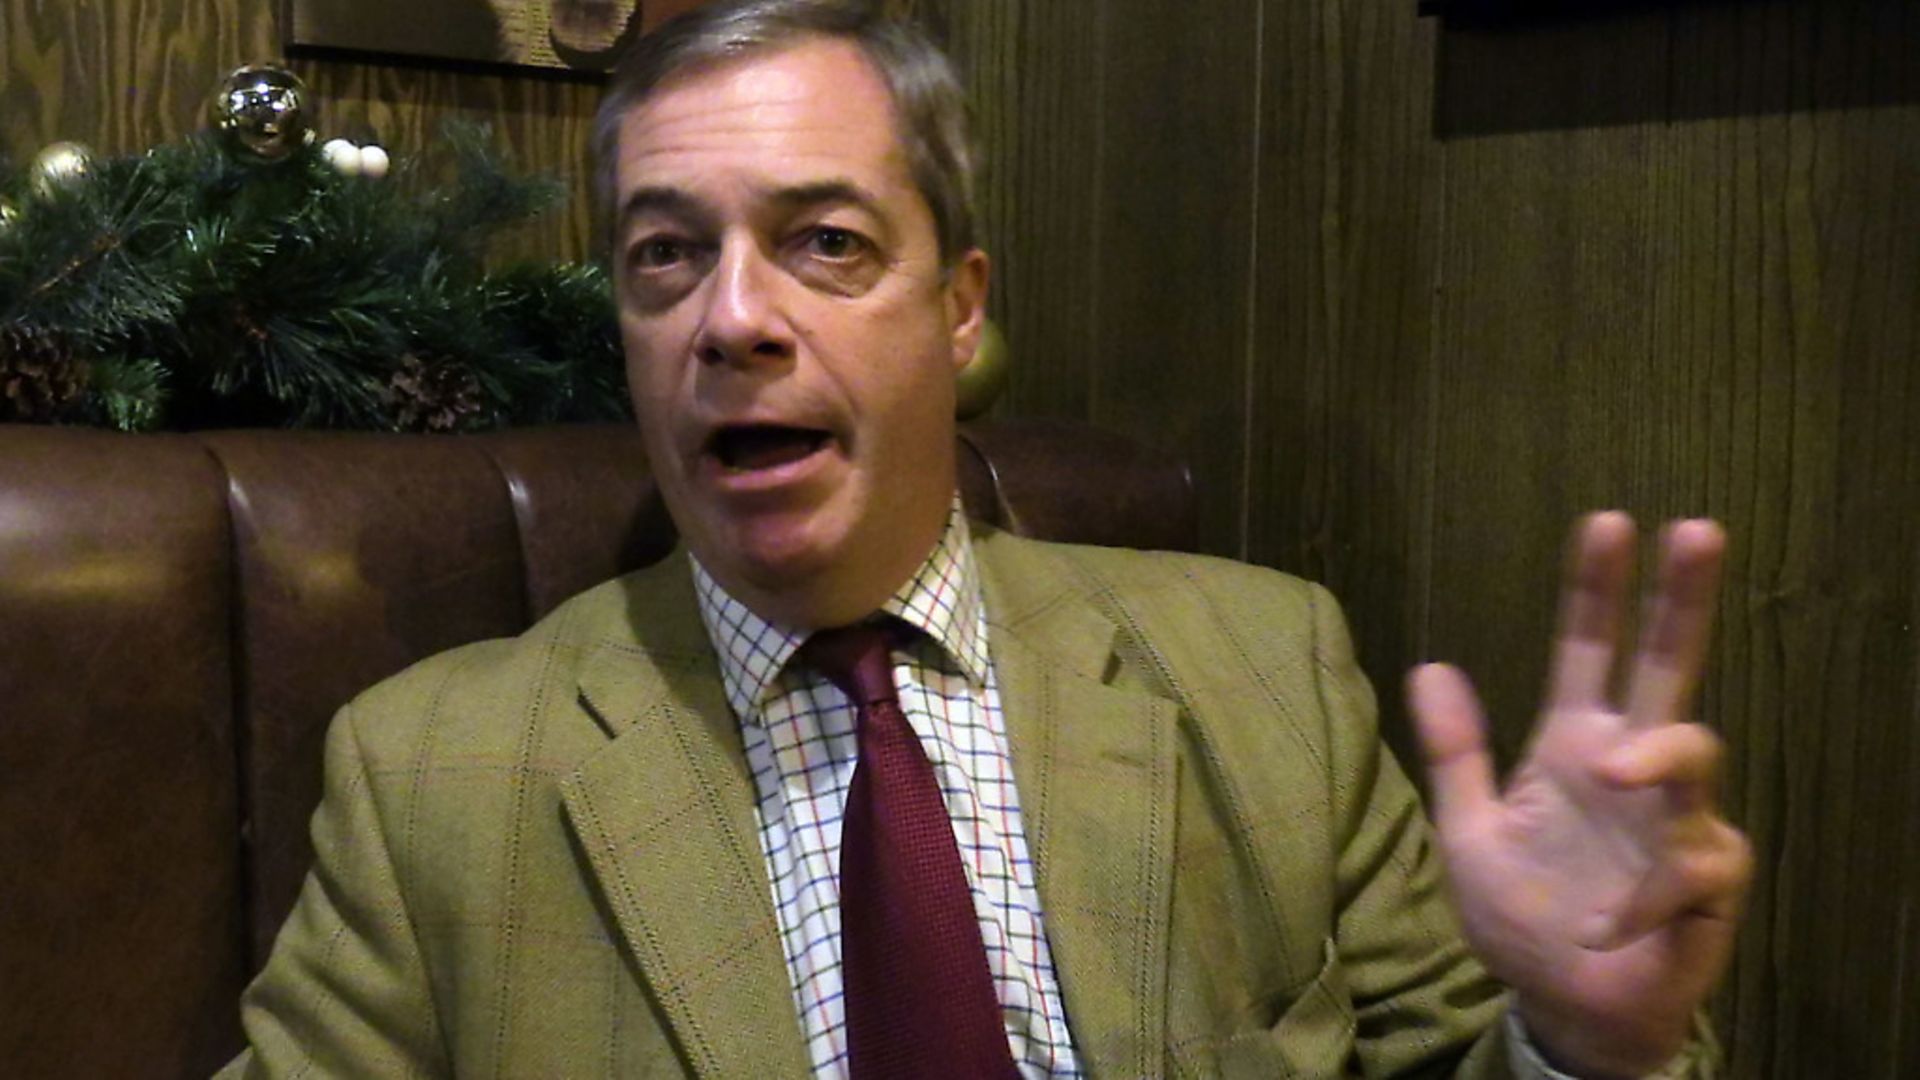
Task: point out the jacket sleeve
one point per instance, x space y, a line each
345 991
1422 1004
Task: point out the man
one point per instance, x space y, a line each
657 834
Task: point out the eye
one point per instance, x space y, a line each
659 253
834 259
662 266
834 244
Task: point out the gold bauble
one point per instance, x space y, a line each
58 165
984 376
262 112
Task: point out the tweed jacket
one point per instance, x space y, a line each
539 856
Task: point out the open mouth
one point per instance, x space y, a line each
751 447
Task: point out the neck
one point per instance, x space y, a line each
850 589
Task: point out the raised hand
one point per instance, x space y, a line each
1602 885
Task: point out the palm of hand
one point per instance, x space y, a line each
1539 891
1600 884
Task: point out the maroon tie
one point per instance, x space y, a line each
920 1000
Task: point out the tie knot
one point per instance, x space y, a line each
857 659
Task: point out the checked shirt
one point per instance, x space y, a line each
800 743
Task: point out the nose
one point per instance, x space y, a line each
744 321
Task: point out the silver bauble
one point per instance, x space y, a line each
262 112
58 165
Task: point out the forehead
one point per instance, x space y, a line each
799 113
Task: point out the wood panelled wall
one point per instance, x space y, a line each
1412 297
124 75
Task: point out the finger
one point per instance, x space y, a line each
1704 873
1453 738
1599 560
1684 759
1679 618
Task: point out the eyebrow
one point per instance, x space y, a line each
666 200
676 202
826 191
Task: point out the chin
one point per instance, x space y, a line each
823 563
779 565
777 558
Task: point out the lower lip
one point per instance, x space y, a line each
768 480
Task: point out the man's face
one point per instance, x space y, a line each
791 340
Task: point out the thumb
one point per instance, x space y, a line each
1453 738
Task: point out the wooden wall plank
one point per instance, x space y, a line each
1036 73
1340 474
1118 204
1796 281
119 75
1541 345
1174 220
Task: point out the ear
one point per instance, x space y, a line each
967 304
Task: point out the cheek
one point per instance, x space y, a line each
924 381
650 375
902 358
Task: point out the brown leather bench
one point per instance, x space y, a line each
180 615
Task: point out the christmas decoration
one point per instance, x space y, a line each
342 154
59 164
350 160
434 395
984 376
262 112
39 379
8 214
189 288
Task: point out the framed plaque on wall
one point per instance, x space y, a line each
566 35
1511 11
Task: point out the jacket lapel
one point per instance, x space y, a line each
1095 762
664 815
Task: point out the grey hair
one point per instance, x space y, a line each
928 102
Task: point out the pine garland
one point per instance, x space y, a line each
186 289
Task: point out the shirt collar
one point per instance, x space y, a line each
941 600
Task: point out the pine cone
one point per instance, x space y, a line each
41 380
433 395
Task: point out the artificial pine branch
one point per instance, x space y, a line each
287 294
127 394
560 313
479 195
